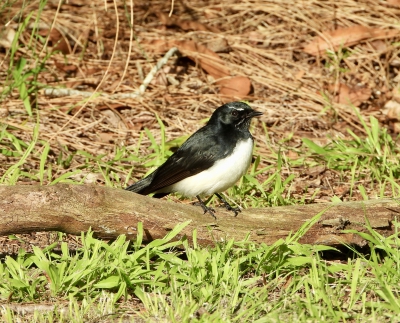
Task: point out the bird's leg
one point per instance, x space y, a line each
236 210
160 195
206 208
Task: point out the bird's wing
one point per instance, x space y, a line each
197 154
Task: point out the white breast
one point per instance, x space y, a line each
219 177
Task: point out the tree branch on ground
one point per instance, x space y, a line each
111 212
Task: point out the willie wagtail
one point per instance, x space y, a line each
210 161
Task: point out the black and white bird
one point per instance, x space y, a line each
210 161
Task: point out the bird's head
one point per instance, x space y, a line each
238 114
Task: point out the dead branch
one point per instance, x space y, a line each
111 212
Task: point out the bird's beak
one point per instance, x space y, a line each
253 114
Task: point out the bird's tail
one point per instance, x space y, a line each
140 186
143 187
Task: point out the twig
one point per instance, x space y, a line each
59 92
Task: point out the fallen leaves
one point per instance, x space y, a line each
184 24
394 3
58 41
237 86
231 87
345 37
218 45
66 68
206 58
7 37
350 95
392 111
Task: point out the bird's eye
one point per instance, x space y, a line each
235 113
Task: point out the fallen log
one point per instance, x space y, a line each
111 212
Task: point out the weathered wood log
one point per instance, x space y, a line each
111 212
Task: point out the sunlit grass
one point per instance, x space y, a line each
233 281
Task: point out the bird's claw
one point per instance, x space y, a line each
227 206
206 209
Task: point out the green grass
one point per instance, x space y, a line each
22 75
374 159
234 281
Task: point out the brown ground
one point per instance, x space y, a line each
302 91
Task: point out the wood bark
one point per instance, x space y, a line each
111 212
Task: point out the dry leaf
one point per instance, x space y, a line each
396 127
394 3
218 45
346 95
112 31
341 190
315 171
184 24
161 76
7 37
392 112
379 45
106 137
345 37
395 62
57 40
396 92
113 119
234 88
314 183
210 13
76 3
66 68
206 58
87 177
292 155
299 75
255 36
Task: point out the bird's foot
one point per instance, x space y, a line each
235 210
227 206
205 208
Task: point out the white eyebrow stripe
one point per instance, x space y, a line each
239 109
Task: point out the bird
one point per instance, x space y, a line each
209 162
